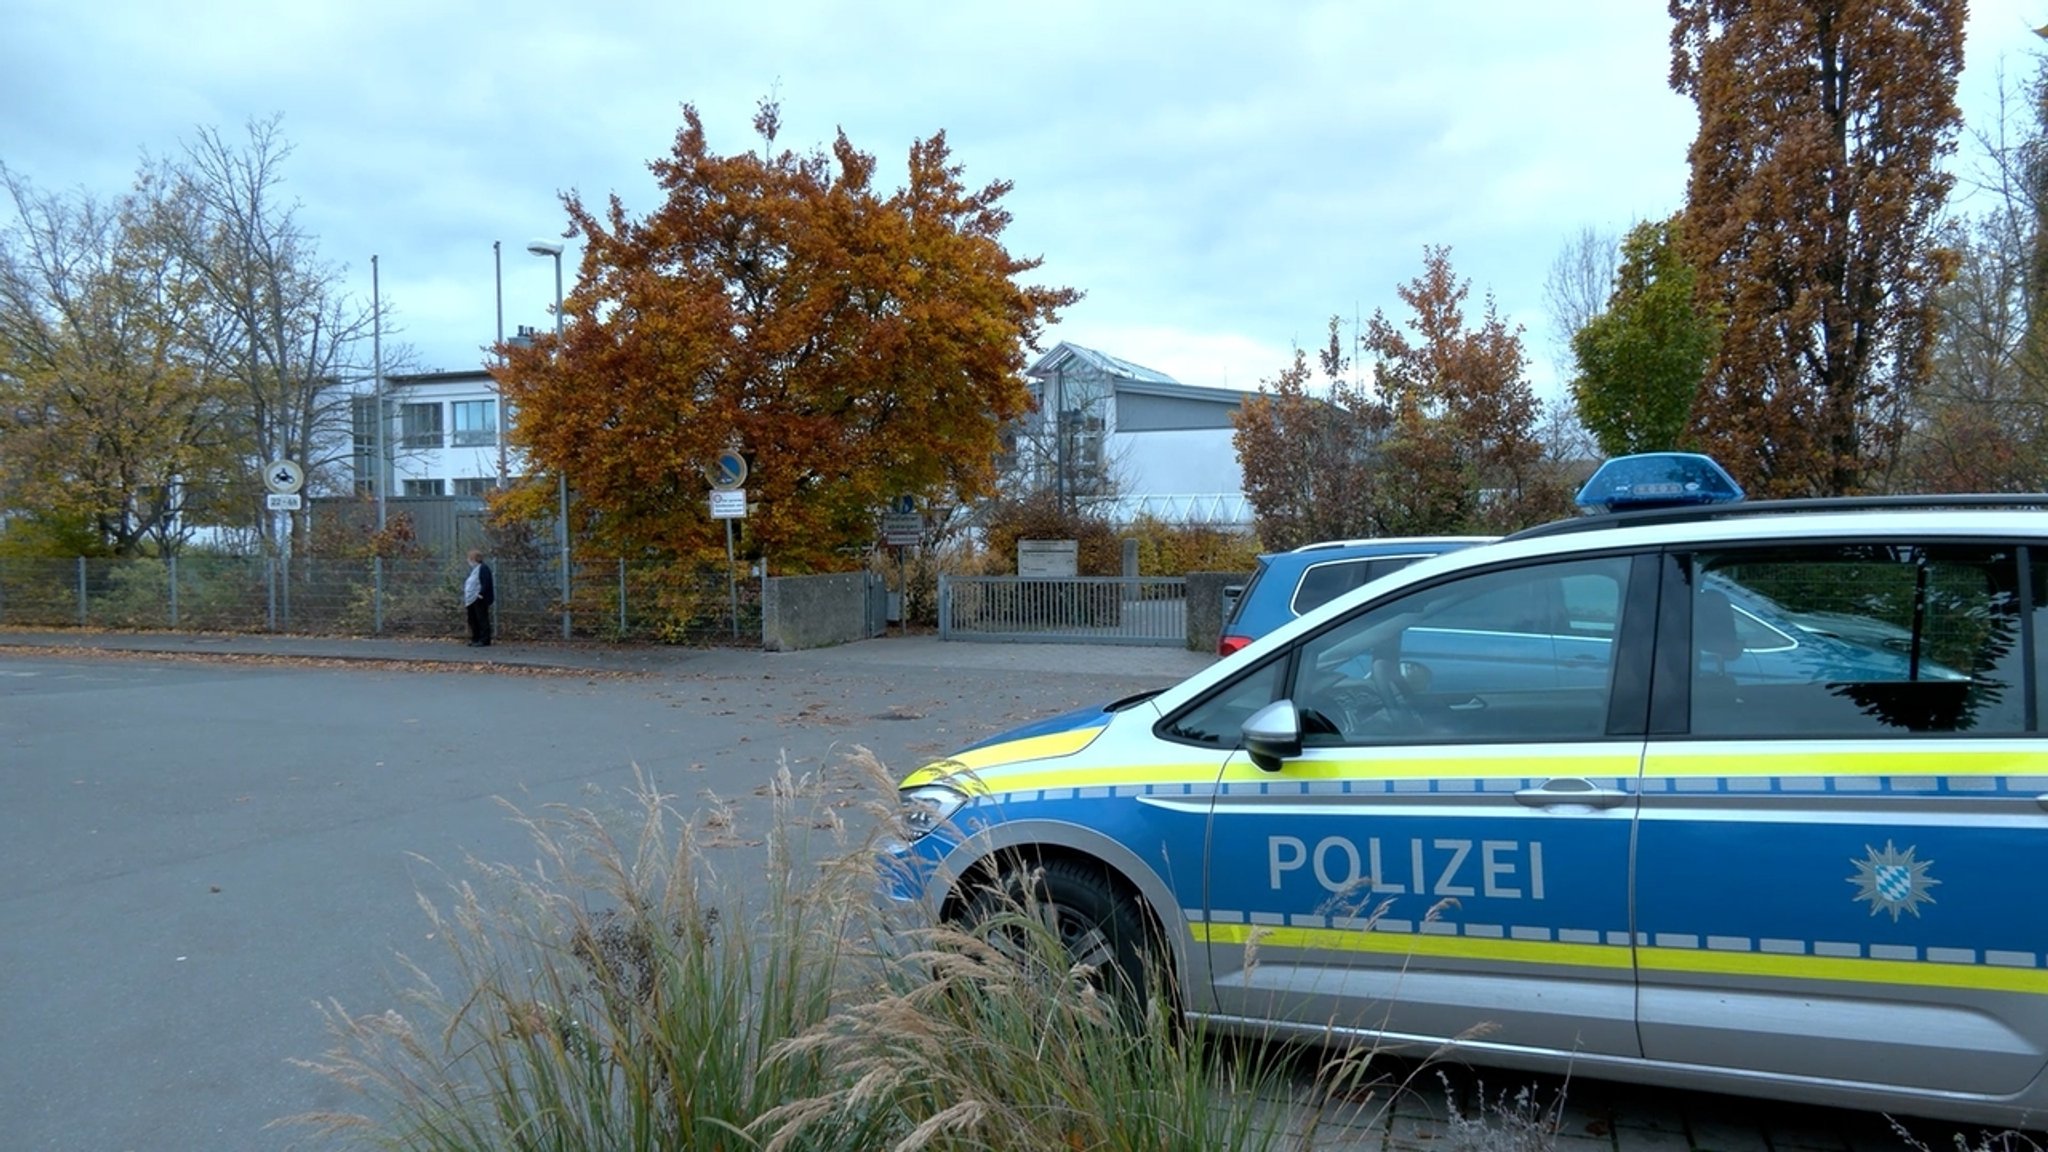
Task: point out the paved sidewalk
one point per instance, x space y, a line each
924 651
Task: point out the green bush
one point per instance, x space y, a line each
130 594
1177 549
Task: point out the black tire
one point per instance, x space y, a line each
1096 921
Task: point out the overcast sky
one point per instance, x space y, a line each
1219 178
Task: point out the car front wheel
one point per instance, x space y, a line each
1097 924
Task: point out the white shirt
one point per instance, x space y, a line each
474 586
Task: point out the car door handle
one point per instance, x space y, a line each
2042 799
1570 791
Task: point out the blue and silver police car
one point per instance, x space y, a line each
1742 796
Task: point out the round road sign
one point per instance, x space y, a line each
730 471
284 477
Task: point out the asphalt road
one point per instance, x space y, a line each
196 853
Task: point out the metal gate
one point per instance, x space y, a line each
1076 610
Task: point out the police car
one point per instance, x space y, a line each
1727 795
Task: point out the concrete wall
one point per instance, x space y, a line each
814 611
1205 607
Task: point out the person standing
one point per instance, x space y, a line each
478 595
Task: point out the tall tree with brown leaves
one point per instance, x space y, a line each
859 345
1815 184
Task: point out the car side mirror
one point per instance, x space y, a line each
1272 735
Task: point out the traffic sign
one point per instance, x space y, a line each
730 470
729 504
284 476
282 502
902 528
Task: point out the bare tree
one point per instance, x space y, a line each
283 325
1576 289
1980 421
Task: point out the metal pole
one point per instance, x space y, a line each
270 585
732 587
377 594
1059 433
377 366
562 475
172 564
498 277
81 591
622 597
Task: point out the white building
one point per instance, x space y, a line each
1131 440
445 436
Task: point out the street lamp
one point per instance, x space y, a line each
553 249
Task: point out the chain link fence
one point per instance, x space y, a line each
608 599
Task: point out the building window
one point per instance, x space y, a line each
363 426
476 423
422 425
426 487
474 485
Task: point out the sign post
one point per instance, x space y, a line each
902 527
728 474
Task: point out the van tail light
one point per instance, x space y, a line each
1229 644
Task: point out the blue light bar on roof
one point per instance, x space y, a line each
1658 480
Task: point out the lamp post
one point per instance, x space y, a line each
382 465
503 423
550 248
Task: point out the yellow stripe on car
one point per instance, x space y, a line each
1405 944
1763 965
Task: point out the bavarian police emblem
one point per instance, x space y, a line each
1892 881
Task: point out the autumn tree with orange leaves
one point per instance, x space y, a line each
857 345
1442 439
1810 214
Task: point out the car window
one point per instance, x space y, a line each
1326 581
1856 640
1488 657
1533 609
1589 605
1322 583
1218 719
